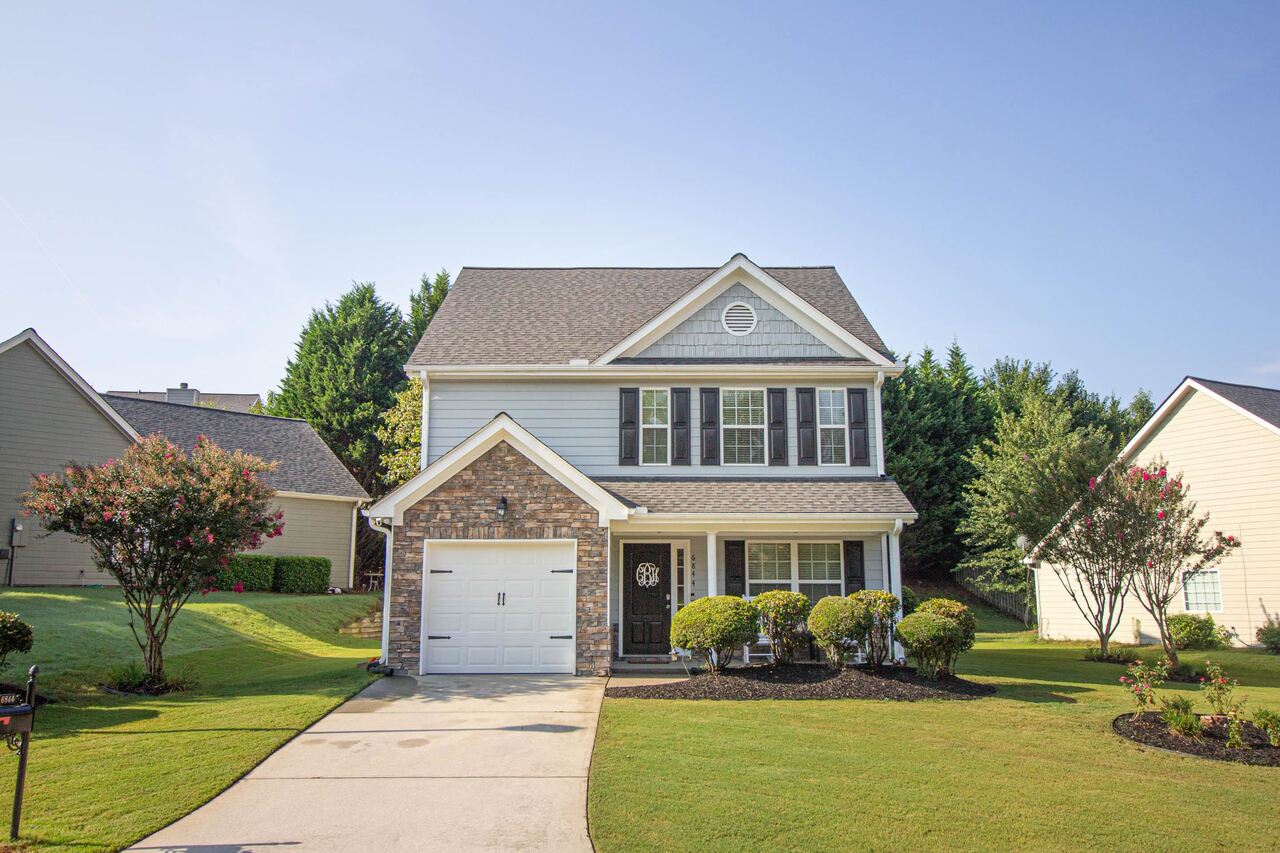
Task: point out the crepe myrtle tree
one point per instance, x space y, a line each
1174 544
161 522
1094 550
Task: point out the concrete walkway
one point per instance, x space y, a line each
457 763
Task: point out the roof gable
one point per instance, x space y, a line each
1260 405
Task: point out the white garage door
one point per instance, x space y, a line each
499 607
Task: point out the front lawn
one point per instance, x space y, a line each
1034 767
107 770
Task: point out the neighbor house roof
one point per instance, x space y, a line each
305 462
1262 402
773 495
546 316
229 402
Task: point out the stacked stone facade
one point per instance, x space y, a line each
538 507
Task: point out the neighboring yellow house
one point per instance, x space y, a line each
1225 441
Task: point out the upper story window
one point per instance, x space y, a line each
833 427
655 426
742 426
738 319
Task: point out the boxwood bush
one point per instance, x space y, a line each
838 624
256 571
302 574
1269 635
15 636
962 616
1190 631
910 600
782 620
930 638
881 610
715 627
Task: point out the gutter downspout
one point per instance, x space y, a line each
879 425
377 524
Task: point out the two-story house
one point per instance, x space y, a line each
603 446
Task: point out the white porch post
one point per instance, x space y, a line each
895 575
712 580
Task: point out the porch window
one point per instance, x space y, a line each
819 569
833 427
768 566
1202 592
655 426
742 426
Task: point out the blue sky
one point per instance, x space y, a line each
1097 185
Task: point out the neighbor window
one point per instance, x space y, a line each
833 427
812 568
742 426
1202 591
655 426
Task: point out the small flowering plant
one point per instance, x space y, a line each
1218 689
1142 681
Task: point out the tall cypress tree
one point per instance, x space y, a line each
425 302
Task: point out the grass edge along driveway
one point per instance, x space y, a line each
106 771
1034 767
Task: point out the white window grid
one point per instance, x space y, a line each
1202 592
749 411
795 565
657 427
833 426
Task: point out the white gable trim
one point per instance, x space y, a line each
29 336
1183 391
740 270
501 428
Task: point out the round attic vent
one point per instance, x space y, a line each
738 319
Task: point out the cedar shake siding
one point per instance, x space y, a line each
539 507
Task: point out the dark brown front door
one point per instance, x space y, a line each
646 570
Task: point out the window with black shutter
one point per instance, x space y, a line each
680 439
806 426
855 566
735 567
859 439
777 426
710 435
628 426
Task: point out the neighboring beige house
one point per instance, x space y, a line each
1225 441
50 416
189 396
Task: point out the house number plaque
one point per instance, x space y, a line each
646 575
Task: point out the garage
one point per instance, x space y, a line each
493 607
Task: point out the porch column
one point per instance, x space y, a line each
713 582
895 575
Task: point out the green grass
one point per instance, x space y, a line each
107 770
1034 767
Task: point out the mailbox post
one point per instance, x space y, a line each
16 722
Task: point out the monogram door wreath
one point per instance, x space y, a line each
647 575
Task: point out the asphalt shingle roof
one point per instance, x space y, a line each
549 316
739 495
306 464
229 402
1263 402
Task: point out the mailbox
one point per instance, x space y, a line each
16 719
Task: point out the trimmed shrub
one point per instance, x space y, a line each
301 574
962 616
1190 631
838 624
1115 654
782 619
1269 635
882 610
930 639
15 636
256 572
1269 722
910 601
715 627
1178 716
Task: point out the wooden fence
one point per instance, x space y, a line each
1012 603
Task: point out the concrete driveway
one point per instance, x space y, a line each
465 762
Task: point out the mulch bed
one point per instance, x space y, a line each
1149 730
21 690
801 681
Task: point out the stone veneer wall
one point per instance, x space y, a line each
538 507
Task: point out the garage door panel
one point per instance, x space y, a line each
537 584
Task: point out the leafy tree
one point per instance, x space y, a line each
425 302
1174 545
934 415
162 523
401 435
1027 476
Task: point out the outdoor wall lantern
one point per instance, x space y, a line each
502 508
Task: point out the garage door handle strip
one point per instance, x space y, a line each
562 636
439 637
562 571
442 571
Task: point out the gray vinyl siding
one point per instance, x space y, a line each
579 420
314 527
45 423
703 335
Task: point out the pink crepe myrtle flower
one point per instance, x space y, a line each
238 587
1093 483
1160 514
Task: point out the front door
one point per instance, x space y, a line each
646 569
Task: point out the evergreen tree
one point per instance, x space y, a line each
401 435
425 302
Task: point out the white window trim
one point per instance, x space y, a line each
795 562
844 427
1217 609
666 427
764 429
755 318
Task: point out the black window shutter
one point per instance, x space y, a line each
628 426
735 567
680 426
710 426
777 426
807 426
855 566
859 446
